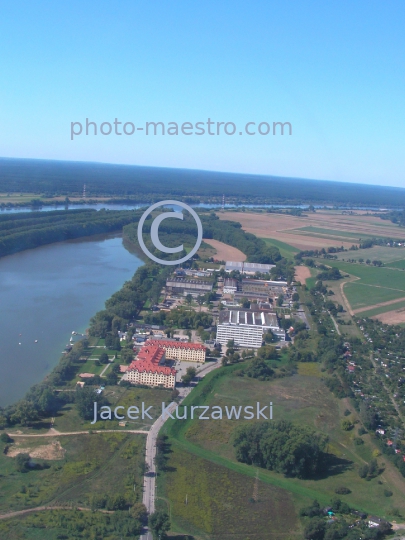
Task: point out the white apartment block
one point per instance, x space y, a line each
246 328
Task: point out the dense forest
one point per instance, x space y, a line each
147 184
28 230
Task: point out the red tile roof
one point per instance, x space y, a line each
148 361
175 344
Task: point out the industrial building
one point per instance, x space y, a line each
230 286
195 287
248 268
247 328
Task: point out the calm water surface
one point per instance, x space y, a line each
45 294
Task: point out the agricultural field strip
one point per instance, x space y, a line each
389 303
59 434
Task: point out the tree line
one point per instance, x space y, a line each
28 230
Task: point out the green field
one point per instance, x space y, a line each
332 233
302 399
107 463
213 503
382 309
397 264
286 250
380 253
376 284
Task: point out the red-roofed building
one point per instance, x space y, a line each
175 350
149 368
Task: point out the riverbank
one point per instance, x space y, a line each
51 291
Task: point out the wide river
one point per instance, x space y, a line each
46 294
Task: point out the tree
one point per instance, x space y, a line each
159 522
127 355
103 358
189 299
138 511
25 413
112 378
21 462
189 376
315 530
200 301
85 398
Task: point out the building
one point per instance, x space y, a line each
247 328
174 350
230 286
248 268
149 369
195 287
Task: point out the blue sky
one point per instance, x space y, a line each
334 70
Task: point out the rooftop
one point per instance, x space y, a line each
176 344
148 360
252 318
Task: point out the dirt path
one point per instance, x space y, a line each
346 301
54 433
45 508
225 252
381 304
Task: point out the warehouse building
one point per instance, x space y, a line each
248 268
195 287
230 286
247 328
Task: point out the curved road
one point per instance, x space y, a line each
149 481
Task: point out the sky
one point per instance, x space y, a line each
333 70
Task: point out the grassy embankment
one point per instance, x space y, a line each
302 398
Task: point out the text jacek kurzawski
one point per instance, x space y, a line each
192 412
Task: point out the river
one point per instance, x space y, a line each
46 294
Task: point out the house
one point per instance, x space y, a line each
374 521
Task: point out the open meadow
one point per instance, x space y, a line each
304 399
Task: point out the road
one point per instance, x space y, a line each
149 480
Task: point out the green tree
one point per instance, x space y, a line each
189 375
103 358
21 462
159 522
315 530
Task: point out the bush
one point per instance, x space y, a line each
342 490
358 441
361 431
5 438
388 493
363 471
21 462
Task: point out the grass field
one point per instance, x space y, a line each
303 399
380 253
215 503
375 284
108 463
383 309
397 264
286 250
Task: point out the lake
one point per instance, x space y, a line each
46 294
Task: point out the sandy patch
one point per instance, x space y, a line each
225 252
381 304
51 451
302 273
391 317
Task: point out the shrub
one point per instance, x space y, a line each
388 493
342 490
358 441
5 438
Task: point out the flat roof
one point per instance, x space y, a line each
248 318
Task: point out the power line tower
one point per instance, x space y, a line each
84 191
223 202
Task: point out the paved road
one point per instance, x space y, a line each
149 480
